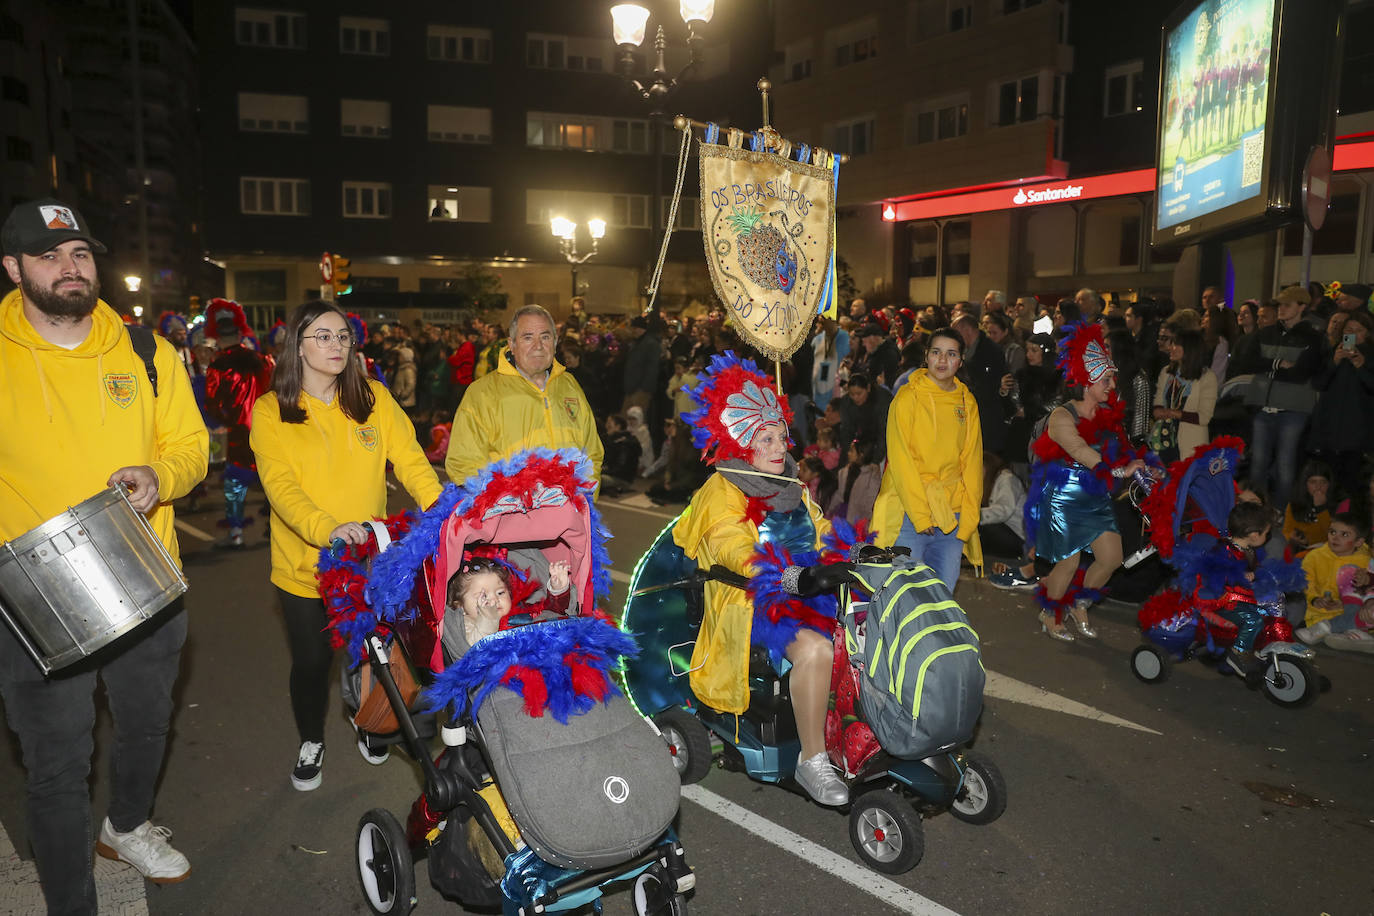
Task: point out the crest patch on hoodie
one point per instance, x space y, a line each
367 435
570 405
122 387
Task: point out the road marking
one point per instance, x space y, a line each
870 882
193 531
1001 687
618 576
638 503
119 889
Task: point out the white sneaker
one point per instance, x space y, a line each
817 775
1313 634
306 775
146 849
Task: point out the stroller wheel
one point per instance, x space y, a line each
983 796
1150 664
652 895
688 742
1295 683
385 866
886 832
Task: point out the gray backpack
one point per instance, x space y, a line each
921 678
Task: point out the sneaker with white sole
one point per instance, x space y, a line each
146 849
1313 634
306 775
373 755
1011 578
818 776
1350 641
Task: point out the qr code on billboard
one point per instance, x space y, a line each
1251 159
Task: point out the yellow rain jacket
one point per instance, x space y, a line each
330 470
934 463
713 530
73 417
503 413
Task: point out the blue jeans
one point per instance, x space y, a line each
54 718
940 551
1274 443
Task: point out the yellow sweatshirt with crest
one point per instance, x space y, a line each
330 470
71 418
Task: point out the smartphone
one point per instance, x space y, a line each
1348 341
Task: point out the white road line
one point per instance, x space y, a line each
1001 687
193 531
618 576
870 882
119 889
639 503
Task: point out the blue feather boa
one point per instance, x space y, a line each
467 682
1215 569
765 588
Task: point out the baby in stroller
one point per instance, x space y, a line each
551 786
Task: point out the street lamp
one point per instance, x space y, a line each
628 21
132 282
565 230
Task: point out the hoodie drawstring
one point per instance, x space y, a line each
42 382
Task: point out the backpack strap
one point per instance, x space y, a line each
145 345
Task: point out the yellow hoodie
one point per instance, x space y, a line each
503 413
330 470
73 417
934 461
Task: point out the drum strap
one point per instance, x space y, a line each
145 345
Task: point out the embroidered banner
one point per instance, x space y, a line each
769 232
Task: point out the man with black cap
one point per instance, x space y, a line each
880 358
1353 297
82 413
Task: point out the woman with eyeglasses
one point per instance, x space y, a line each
322 438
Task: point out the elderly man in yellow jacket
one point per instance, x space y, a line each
933 485
530 401
81 412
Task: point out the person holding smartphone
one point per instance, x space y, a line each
1343 420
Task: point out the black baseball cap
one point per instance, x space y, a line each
36 226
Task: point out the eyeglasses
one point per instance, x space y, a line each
326 338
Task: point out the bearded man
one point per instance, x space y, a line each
85 409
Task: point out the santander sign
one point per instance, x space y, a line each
1067 192
1028 195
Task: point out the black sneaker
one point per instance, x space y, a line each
306 775
373 755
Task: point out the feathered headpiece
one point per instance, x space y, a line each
275 334
225 312
355 321
169 321
1083 355
737 400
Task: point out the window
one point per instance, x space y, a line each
1018 101
620 211
957 239
1339 232
941 119
630 211
455 204
367 199
796 60
960 15
470 46
455 124
279 196
13 90
282 114
364 118
566 52
1049 241
260 285
17 149
364 36
269 28
629 136
854 137
11 30
1111 235
688 213
575 131
1014 6
854 42
933 18
1124 92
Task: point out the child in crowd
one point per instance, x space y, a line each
858 486
1001 524
824 448
1350 631
1345 546
819 481
634 424
1234 560
482 591
1309 511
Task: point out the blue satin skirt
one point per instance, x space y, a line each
1072 516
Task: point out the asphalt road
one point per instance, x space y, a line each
1207 797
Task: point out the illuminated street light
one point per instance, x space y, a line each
565 230
132 282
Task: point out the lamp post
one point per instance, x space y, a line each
565 230
133 283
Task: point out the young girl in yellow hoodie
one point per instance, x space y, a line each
322 438
933 485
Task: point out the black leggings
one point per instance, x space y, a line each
311 659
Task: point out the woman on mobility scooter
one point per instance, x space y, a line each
756 519
1079 457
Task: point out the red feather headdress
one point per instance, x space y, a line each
737 400
1083 354
225 308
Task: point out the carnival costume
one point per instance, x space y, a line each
370 367
234 381
759 525
1069 503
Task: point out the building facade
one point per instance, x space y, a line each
430 141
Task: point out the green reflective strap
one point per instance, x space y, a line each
921 678
894 687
